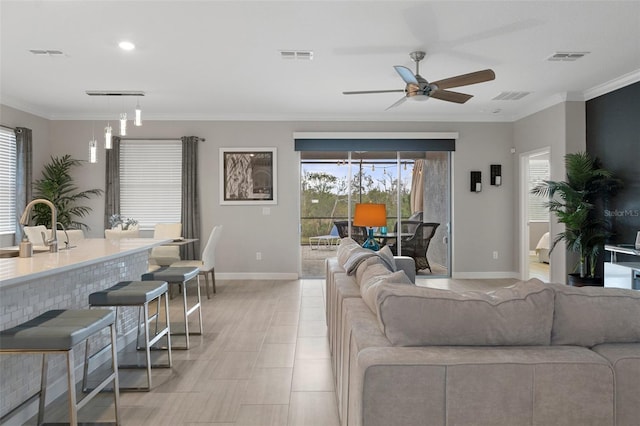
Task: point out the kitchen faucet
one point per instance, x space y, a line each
26 216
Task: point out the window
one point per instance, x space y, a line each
7 181
151 181
538 172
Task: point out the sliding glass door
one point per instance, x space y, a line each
411 185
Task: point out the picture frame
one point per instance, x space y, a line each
248 176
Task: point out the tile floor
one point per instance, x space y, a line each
263 360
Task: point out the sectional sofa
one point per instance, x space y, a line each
528 354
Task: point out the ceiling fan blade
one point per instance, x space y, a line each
406 74
448 95
364 92
398 102
465 79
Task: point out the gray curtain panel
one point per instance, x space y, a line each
112 181
24 174
190 197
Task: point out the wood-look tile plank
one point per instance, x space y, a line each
312 328
269 386
281 334
276 355
312 348
312 375
313 409
262 415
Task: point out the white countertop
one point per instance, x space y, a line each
86 252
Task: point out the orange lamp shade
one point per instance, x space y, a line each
367 214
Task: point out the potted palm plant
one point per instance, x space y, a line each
573 202
57 186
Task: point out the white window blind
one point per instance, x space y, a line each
7 181
538 172
151 181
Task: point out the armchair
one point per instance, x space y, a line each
417 245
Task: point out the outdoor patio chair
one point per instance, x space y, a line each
417 245
358 233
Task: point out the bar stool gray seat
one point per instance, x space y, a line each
140 294
180 276
56 332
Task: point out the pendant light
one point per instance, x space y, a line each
138 118
93 151
107 136
123 124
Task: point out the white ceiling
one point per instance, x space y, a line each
221 59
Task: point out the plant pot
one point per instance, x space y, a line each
576 281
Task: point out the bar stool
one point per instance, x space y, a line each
179 276
138 293
56 332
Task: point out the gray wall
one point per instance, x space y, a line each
483 223
247 230
561 129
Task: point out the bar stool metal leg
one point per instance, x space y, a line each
139 294
58 332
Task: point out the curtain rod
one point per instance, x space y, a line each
156 139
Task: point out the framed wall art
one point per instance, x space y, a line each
248 176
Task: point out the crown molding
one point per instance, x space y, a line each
610 86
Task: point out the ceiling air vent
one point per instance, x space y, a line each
510 96
566 56
45 52
303 55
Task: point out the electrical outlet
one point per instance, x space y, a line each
495 255
258 255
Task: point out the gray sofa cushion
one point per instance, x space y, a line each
369 290
625 360
588 316
345 248
520 314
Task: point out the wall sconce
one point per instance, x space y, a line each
496 174
476 181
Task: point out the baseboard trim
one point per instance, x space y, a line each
256 276
486 275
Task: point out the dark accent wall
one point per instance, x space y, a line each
613 135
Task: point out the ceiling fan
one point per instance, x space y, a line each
419 89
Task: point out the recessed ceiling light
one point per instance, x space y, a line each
126 45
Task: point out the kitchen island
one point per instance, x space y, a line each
61 280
